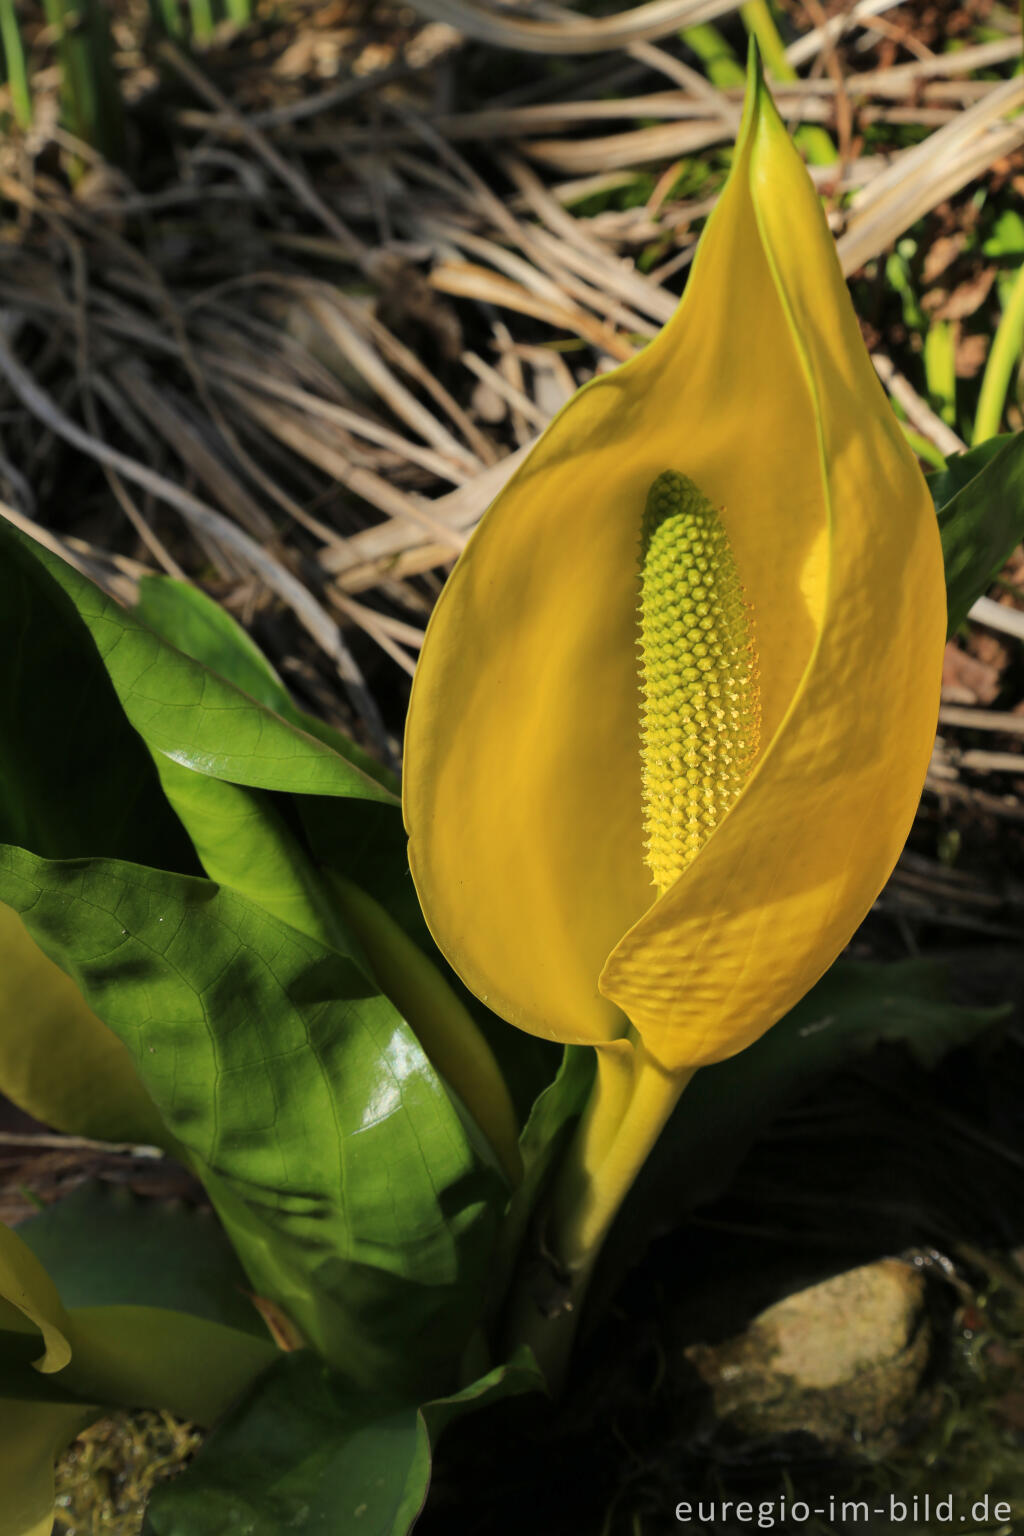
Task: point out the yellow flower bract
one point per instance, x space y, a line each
524 794
699 725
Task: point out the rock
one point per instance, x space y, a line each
840 1361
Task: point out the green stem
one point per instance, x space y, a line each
90 89
616 1136
14 56
940 369
632 1098
721 65
760 23
167 17
1003 358
202 20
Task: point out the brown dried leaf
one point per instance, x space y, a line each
966 679
971 352
965 299
941 254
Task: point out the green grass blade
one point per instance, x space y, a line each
201 12
17 72
1003 358
90 89
940 369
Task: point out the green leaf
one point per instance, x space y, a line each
857 1006
58 1062
961 468
243 841
326 1140
188 619
241 834
305 1452
103 1246
544 1139
980 502
187 712
441 1023
74 777
549 1127
1007 237
199 627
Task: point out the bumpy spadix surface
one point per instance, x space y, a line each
699 724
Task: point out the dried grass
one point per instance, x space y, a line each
298 361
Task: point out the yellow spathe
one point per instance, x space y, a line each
523 786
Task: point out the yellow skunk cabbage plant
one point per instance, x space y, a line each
664 745
676 702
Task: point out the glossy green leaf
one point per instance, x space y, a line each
188 619
327 1142
244 842
546 1133
961 468
195 624
857 1006
184 710
52 1044
103 1246
304 1452
980 502
240 833
75 779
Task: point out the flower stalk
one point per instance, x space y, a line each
631 1101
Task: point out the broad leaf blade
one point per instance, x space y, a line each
962 468
304 1451
187 712
326 1140
188 619
243 841
980 503
74 777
